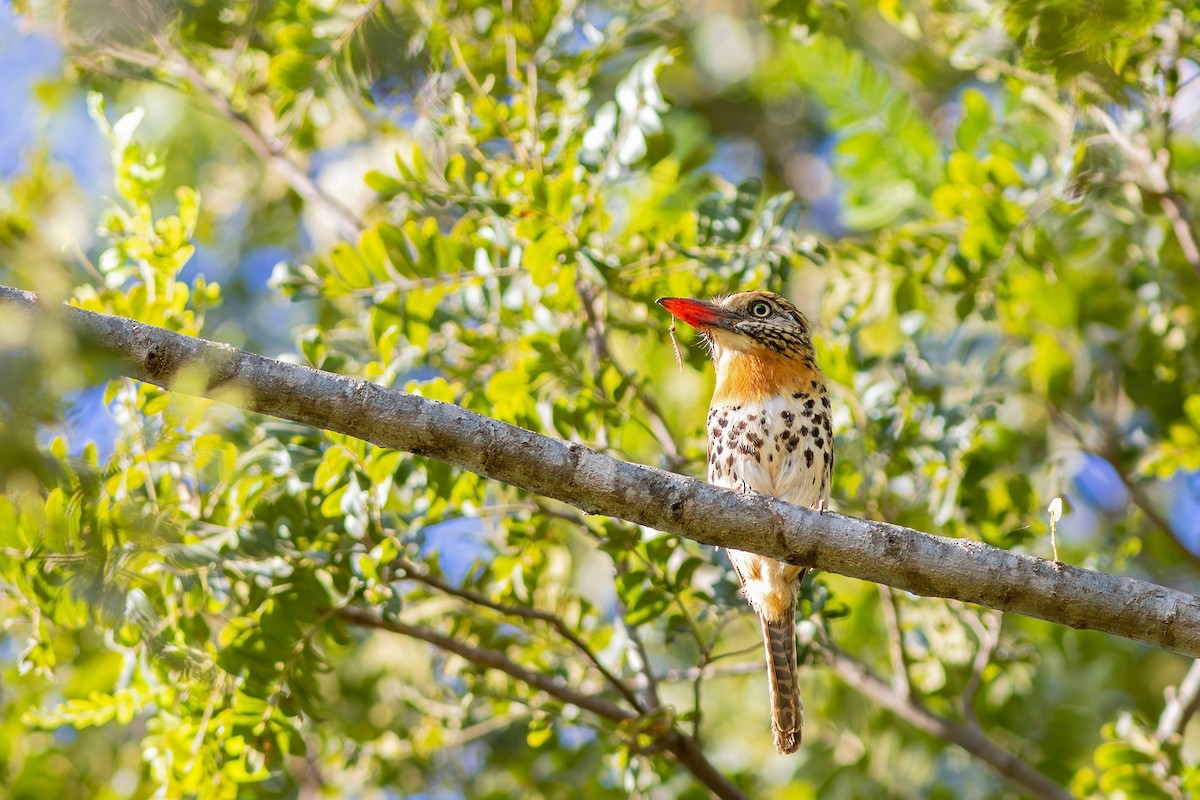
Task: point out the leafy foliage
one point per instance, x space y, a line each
983 207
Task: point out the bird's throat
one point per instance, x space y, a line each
745 377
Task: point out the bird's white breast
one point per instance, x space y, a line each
781 445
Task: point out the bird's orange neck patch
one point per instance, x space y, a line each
744 377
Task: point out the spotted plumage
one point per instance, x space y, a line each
769 431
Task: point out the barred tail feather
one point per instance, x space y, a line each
787 709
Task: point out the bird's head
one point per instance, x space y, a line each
752 323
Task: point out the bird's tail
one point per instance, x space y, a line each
787 709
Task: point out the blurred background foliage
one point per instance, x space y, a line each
986 208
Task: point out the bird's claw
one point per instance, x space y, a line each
822 506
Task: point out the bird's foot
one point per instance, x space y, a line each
822 506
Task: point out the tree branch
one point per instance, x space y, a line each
1151 172
639 660
973 740
683 747
1173 205
266 148
1176 211
1182 704
987 632
875 551
898 701
413 572
493 659
656 422
896 651
712 670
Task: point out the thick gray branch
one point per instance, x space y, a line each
875 551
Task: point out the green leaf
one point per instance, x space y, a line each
350 266
1114 754
291 71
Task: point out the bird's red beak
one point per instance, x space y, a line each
696 313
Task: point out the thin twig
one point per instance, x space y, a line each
858 677
413 572
705 658
1172 203
899 657
639 659
440 279
485 95
656 421
682 746
1181 223
974 741
1139 498
493 659
1182 704
322 67
1152 175
269 151
986 627
712 671
579 519
407 747
1109 452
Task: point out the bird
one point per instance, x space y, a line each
769 432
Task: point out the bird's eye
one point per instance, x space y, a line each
761 309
